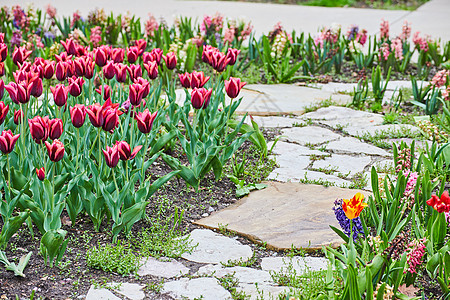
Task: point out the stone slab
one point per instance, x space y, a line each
275 121
339 113
295 175
389 128
167 268
298 264
242 274
292 160
262 291
285 148
347 145
284 215
132 291
207 288
344 164
213 248
308 135
100 294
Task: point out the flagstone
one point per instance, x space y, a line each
166 268
275 121
344 164
284 215
100 294
284 148
298 264
199 288
242 274
292 174
348 145
262 291
378 129
309 135
132 291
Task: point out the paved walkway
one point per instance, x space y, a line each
431 18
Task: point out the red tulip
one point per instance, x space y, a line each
7 141
185 80
442 204
198 79
38 69
117 55
145 120
55 150
141 45
232 55
121 72
61 70
200 98
152 69
106 92
78 115
70 46
63 56
3 111
2 69
132 54
79 66
3 52
36 88
233 87
135 71
76 86
125 152
89 67
70 68
80 50
207 54
171 60
20 54
60 94
101 55
18 92
219 61
108 70
95 113
111 119
39 128
18 116
48 69
145 85
111 156
2 37
135 94
157 55
40 173
55 128
2 89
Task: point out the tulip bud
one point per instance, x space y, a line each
106 92
18 117
135 71
60 94
132 54
55 128
55 150
40 173
171 60
3 111
121 72
145 120
136 93
75 86
2 69
117 55
233 87
185 80
232 55
111 156
95 113
70 46
49 69
39 128
141 45
200 98
78 115
109 70
20 54
198 79
89 67
61 70
36 87
2 89
145 85
101 56
152 69
7 141
219 61
111 119
157 54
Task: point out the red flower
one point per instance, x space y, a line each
152 69
55 128
185 80
95 113
141 45
171 60
35 86
60 94
79 66
132 54
2 69
108 70
39 128
63 57
219 61
117 55
125 152
106 92
145 84
200 98
111 156
78 115
55 150
76 86
2 89
101 55
198 79
18 92
121 72
145 120
70 46
3 52
442 204
207 54
135 71
111 119
157 55
3 111
89 67
18 116
233 87
136 94
232 55
7 141
20 54
40 173
61 70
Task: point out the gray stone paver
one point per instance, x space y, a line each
309 135
243 274
344 164
265 291
285 148
132 291
100 294
167 268
208 288
299 264
347 145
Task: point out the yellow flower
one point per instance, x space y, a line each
353 207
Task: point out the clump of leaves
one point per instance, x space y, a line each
117 258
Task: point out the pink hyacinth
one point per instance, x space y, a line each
246 31
51 11
229 33
397 48
384 29
385 51
410 185
151 26
421 43
440 78
96 36
446 93
75 17
414 255
406 31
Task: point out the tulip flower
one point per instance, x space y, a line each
95 113
61 70
18 117
442 204
152 69
157 54
171 60
7 141
79 66
3 52
117 55
125 152
108 70
145 85
2 89
233 87
63 56
3 111
18 92
111 156
35 87
75 86
200 98
55 128
185 80
353 207
145 120
141 45
48 69
78 115
219 61
40 173
106 92
121 72
20 54
111 119
2 69
207 54
60 94
232 55
135 71
101 56
136 93
132 54
55 150
198 79
70 46
89 67
39 128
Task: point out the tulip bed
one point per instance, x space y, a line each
65 176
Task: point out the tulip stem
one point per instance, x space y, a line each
125 162
53 186
99 146
9 175
78 145
115 182
351 228
143 160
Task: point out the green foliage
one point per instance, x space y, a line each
118 258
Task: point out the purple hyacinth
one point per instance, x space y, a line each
344 222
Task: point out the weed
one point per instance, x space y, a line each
320 181
379 138
223 229
324 103
314 157
327 170
240 262
155 287
359 181
297 124
113 258
391 118
230 283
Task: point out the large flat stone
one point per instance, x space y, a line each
243 274
132 291
378 129
292 160
339 113
213 248
344 164
284 148
308 135
100 294
167 268
207 288
262 291
298 264
350 145
289 174
284 215
275 121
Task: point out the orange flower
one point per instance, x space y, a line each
353 207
